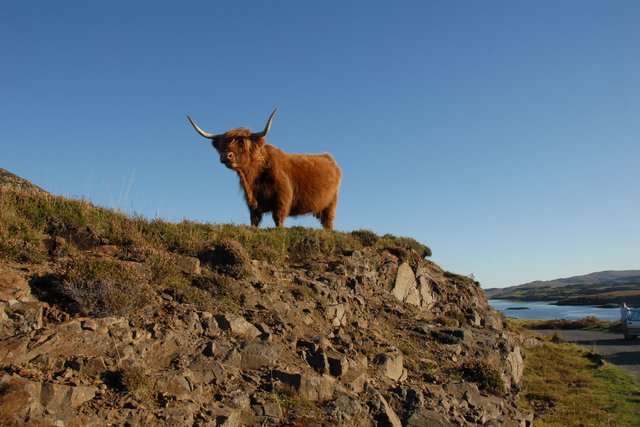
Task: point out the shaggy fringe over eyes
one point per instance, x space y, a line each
238 132
244 132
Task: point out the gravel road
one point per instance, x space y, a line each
624 353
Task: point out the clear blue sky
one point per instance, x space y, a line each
503 134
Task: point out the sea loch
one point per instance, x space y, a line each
544 310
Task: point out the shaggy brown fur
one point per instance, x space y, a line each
280 183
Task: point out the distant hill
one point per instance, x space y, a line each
603 287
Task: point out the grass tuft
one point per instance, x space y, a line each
484 375
97 287
229 256
367 238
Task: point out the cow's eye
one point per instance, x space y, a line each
240 143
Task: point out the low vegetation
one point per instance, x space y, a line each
30 222
131 379
484 375
96 287
591 323
38 228
568 385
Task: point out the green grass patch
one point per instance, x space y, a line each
30 220
565 385
590 323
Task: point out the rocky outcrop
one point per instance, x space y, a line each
9 181
371 334
369 340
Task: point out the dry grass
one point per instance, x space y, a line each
97 287
29 220
229 256
32 224
586 323
484 375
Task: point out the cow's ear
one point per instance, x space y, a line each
216 143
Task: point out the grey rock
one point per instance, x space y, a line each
22 397
210 326
424 287
405 286
336 314
94 367
68 339
256 355
272 410
386 416
346 409
19 318
57 397
445 338
14 288
238 400
142 269
474 318
391 365
207 370
180 414
173 383
452 335
434 390
191 322
492 320
310 387
515 365
188 265
355 380
238 326
532 342
423 417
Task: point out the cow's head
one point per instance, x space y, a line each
236 147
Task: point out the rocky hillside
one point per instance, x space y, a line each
111 320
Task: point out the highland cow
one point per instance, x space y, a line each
277 182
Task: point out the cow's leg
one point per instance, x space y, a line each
281 212
279 215
256 217
283 204
328 215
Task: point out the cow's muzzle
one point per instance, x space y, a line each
227 159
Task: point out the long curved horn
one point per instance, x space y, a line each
200 131
266 128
